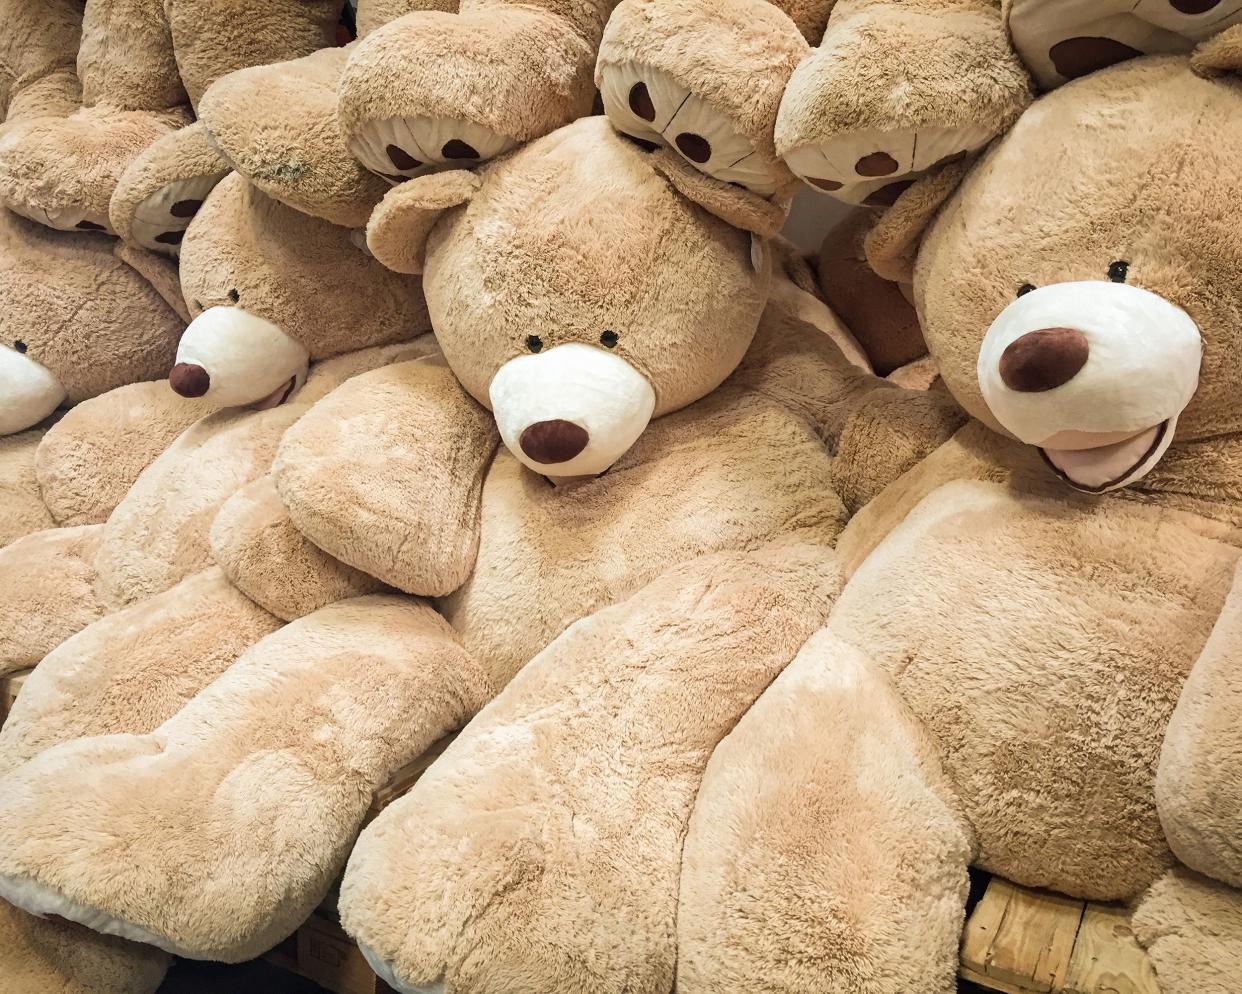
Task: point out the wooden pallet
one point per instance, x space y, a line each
1023 941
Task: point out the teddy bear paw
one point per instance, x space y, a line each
159 221
876 167
400 148
651 106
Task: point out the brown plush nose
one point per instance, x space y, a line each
554 441
189 380
1043 360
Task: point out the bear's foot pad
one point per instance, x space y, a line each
400 148
1023 941
161 219
875 167
650 105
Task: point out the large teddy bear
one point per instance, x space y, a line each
1030 667
633 402
80 590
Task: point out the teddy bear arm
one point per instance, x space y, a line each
254 541
472 85
39 954
890 432
590 758
824 820
305 726
897 89
1199 780
47 592
162 189
211 39
386 474
89 460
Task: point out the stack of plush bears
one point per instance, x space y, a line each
750 653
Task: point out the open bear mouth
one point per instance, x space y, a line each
277 396
1105 467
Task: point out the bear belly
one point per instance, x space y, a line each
1044 642
719 476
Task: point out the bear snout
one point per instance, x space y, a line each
1044 359
554 441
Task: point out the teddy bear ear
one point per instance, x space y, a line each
399 227
1220 54
893 244
735 204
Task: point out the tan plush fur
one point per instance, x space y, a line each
53 568
1192 929
37 77
254 540
142 64
63 958
1199 788
89 459
743 466
277 125
22 509
341 669
299 272
805 784
1043 639
708 48
94 321
520 70
134 668
531 842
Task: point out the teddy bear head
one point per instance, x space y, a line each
581 286
271 290
78 320
1082 289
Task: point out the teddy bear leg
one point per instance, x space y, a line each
47 592
541 853
433 89
1191 927
825 851
55 957
217 833
716 110
159 193
1199 781
897 89
133 669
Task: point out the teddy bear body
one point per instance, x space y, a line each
397 477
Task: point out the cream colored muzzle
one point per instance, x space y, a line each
29 392
571 411
1094 374
234 358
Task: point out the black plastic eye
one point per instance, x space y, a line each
534 343
234 296
1025 288
609 339
1118 272
20 346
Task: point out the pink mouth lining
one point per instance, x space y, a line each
1098 469
277 396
